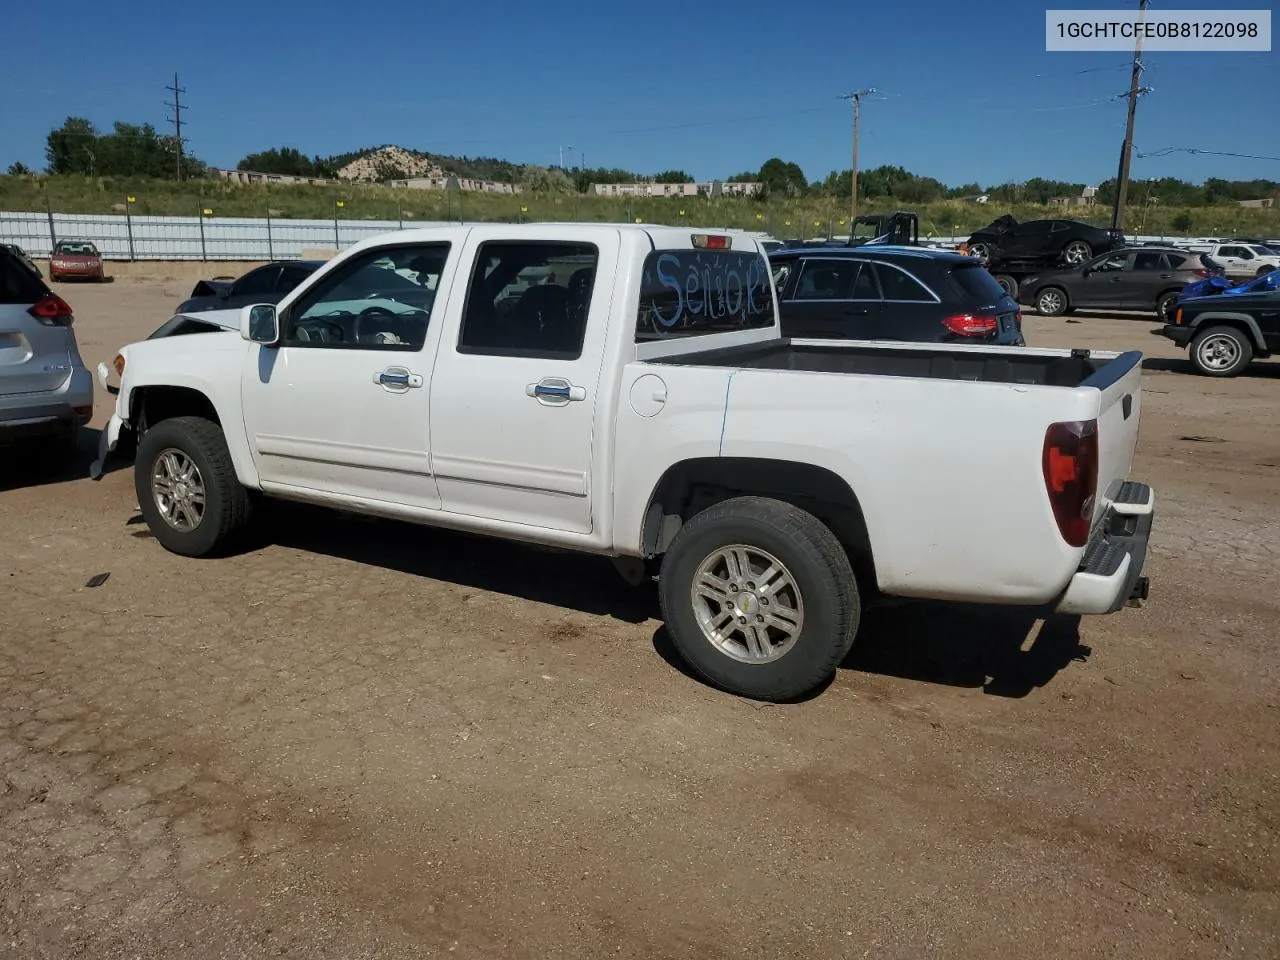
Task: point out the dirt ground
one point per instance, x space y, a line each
372 740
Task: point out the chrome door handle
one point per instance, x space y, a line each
397 379
555 391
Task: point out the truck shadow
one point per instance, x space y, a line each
563 579
1006 652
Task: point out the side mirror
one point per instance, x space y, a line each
260 324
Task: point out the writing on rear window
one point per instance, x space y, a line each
689 293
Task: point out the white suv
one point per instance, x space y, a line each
45 390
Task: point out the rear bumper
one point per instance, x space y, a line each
56 411
1110 572
1178 334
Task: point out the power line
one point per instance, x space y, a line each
176 119
1165 151
855 98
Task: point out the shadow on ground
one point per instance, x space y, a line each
35 463
1007 652
1259 369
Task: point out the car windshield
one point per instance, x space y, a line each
75 248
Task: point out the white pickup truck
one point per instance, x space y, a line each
624 390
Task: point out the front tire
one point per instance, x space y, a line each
759 598
1221 351
187 487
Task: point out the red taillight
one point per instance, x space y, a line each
971 324
52 311
1202 273
1070 466
1018 317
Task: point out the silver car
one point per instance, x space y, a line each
45 390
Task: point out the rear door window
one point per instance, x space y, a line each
257 282
829 279
1148 261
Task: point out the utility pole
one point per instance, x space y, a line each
855 97
176 119
1126 149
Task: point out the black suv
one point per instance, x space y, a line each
1225 332
892 293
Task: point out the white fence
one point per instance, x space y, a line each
122 237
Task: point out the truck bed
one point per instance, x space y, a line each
1049 368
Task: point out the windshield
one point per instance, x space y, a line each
75 248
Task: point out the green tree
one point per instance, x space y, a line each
70 147
1182 222
782 179
288 161
673 176
20 170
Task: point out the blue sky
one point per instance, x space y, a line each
967 91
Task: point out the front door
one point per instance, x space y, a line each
341 408
1101 282
514 397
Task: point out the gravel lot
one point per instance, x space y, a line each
371 740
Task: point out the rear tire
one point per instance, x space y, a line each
1076 252
1008 284
187 487
1165 306
759 598
1263 271
1221 351
1051 302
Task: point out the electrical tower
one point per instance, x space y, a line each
1126 149
176 119
855 98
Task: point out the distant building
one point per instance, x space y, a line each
458 183
253 176
1266 203
710 188
1088 197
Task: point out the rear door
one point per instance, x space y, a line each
832 298
514 396
909 309
35 354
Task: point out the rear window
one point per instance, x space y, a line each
692 293
976 282
76 248
17 283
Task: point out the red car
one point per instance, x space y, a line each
76 260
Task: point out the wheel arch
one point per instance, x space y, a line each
1241 321
690 486
152 403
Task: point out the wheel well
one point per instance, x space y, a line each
1208 323
689 487
150 405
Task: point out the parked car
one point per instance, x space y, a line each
1139 278
45 390
1240 260
642 404
1052 241
265 284
1224 334
22 258
1217 283
76 260
876 292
